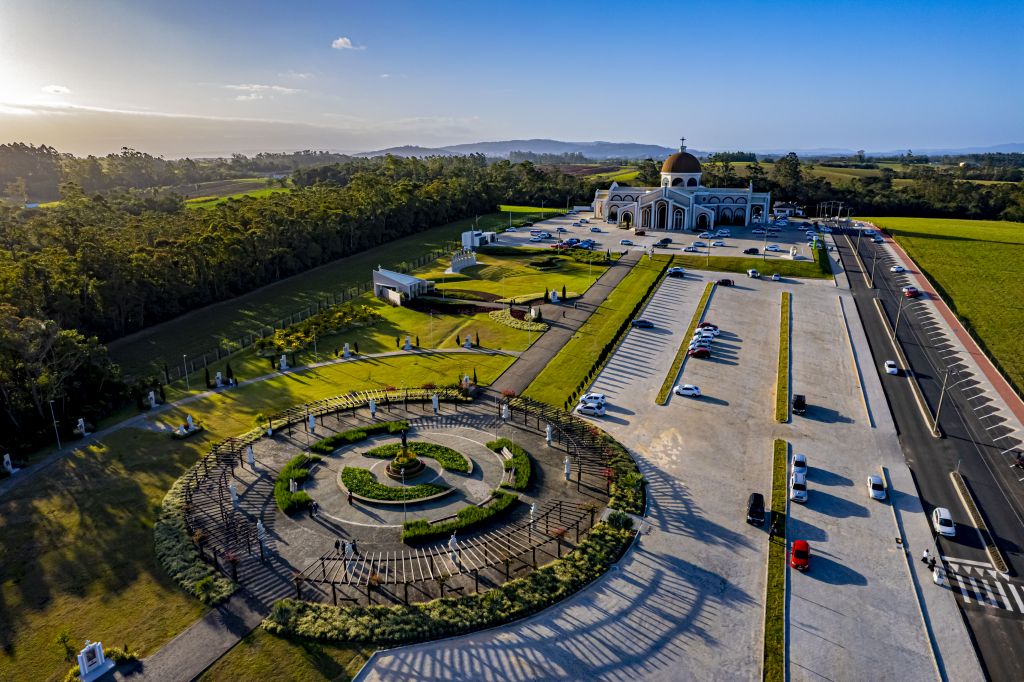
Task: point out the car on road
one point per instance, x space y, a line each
533 232
706 235
718 242
726 283
897 268
911 292
663 241
755 509
699 245
876 489
776 277
572 240
561 229
687 390
798 488
707 326
643 324
536 239
676 272
595 229
639 233
625 242
752 251
800 555
599 398
753 274
689 249
772 247
878 240
512 229
800 464
699 353
891 367
758 230
584 221
576 224
799 403
942 522
591 410
869 233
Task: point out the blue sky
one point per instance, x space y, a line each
204 78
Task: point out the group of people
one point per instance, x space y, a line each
927 558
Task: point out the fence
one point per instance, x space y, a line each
196 361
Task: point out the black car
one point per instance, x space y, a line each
663 242
799 403
755 509
751 251
726 283
643 324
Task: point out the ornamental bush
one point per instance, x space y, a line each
388 625
328 445
332 320
504 316
362 482
449 459
422 529
520 462
297 468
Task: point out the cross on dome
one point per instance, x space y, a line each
682 144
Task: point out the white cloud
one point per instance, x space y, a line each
344 43
385 75
56 90
297 75
254 91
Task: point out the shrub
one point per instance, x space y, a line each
421 529
520 462
297 468
504 316
362 482
620 521
332 320
449 459
328 445
387 625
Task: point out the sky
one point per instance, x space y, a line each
208 78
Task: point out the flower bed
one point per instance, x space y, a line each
449 459
506 318
422 529
520 462
297 468
389 625
363 483
328 445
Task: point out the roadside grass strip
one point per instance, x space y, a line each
774 665
677 362
782 386
785 267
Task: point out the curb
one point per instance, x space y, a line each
984 534
915 387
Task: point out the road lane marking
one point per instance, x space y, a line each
986 564
1006 600
1013 591
963 588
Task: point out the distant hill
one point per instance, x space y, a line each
501 149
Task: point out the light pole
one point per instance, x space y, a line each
55 431
405 514
184 366
899 313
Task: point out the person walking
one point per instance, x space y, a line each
350 498
337 545
931 564
924 556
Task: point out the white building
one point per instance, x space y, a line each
681 202
474 239
394 287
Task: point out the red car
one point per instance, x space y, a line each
699 353
726 283
911 292
800 555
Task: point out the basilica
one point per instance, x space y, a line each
681 202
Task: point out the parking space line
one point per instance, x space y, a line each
1005 435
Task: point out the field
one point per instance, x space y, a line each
202 330
262 656
975 266
783 266
78 542
846 176
572 363
207 201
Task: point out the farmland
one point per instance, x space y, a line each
974 265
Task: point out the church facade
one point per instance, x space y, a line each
681 202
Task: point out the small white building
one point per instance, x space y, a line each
474 239
785 209
394 287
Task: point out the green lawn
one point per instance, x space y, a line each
783 266
565 371
202 331
77 547
506 208
677 362
211 201
775 592
262 656
975 266
782 377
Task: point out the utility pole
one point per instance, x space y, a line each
899 313
938 410
55 431
874 259
184 362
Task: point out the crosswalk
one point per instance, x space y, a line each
978 584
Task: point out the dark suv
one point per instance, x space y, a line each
799 403
755 509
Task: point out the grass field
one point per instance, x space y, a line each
262 656
846 176
207 201
782 377
570 366
202 330
623 176
975 266
775 592
783 266
506 208
77 547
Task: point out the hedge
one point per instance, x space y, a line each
449 459
518 598
297 468
362 482
520 462
328 445
422 529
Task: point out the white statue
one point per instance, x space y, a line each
152 400
92 663
219 380
408 344
469 342
505 414
191 424
251 457
373 408
9 466
554 296
282 363
435 402
81 427
347 353
466 382
293 485
312 423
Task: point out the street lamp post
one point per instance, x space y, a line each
938 410
874 259
184 366
405 515
55 431
899 313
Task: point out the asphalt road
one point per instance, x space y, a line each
972 443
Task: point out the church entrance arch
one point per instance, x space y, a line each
739 216
756 213
613 214
725 216
645 218
692 182
702 221
627 219
662 217
677 219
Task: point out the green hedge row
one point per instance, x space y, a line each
421 529
389 625
328 445
297 468
520 462
362 482
449 459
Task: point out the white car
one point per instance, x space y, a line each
584 221
713 331
699 245
687 390
511 229
758 230
891 367
897 268
675 272
776 277
942 522
800 464
591 410
798 488
599 398
753 274
876 489
689 249
705 235
718 243
536 239
625 242
772 247
576 224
